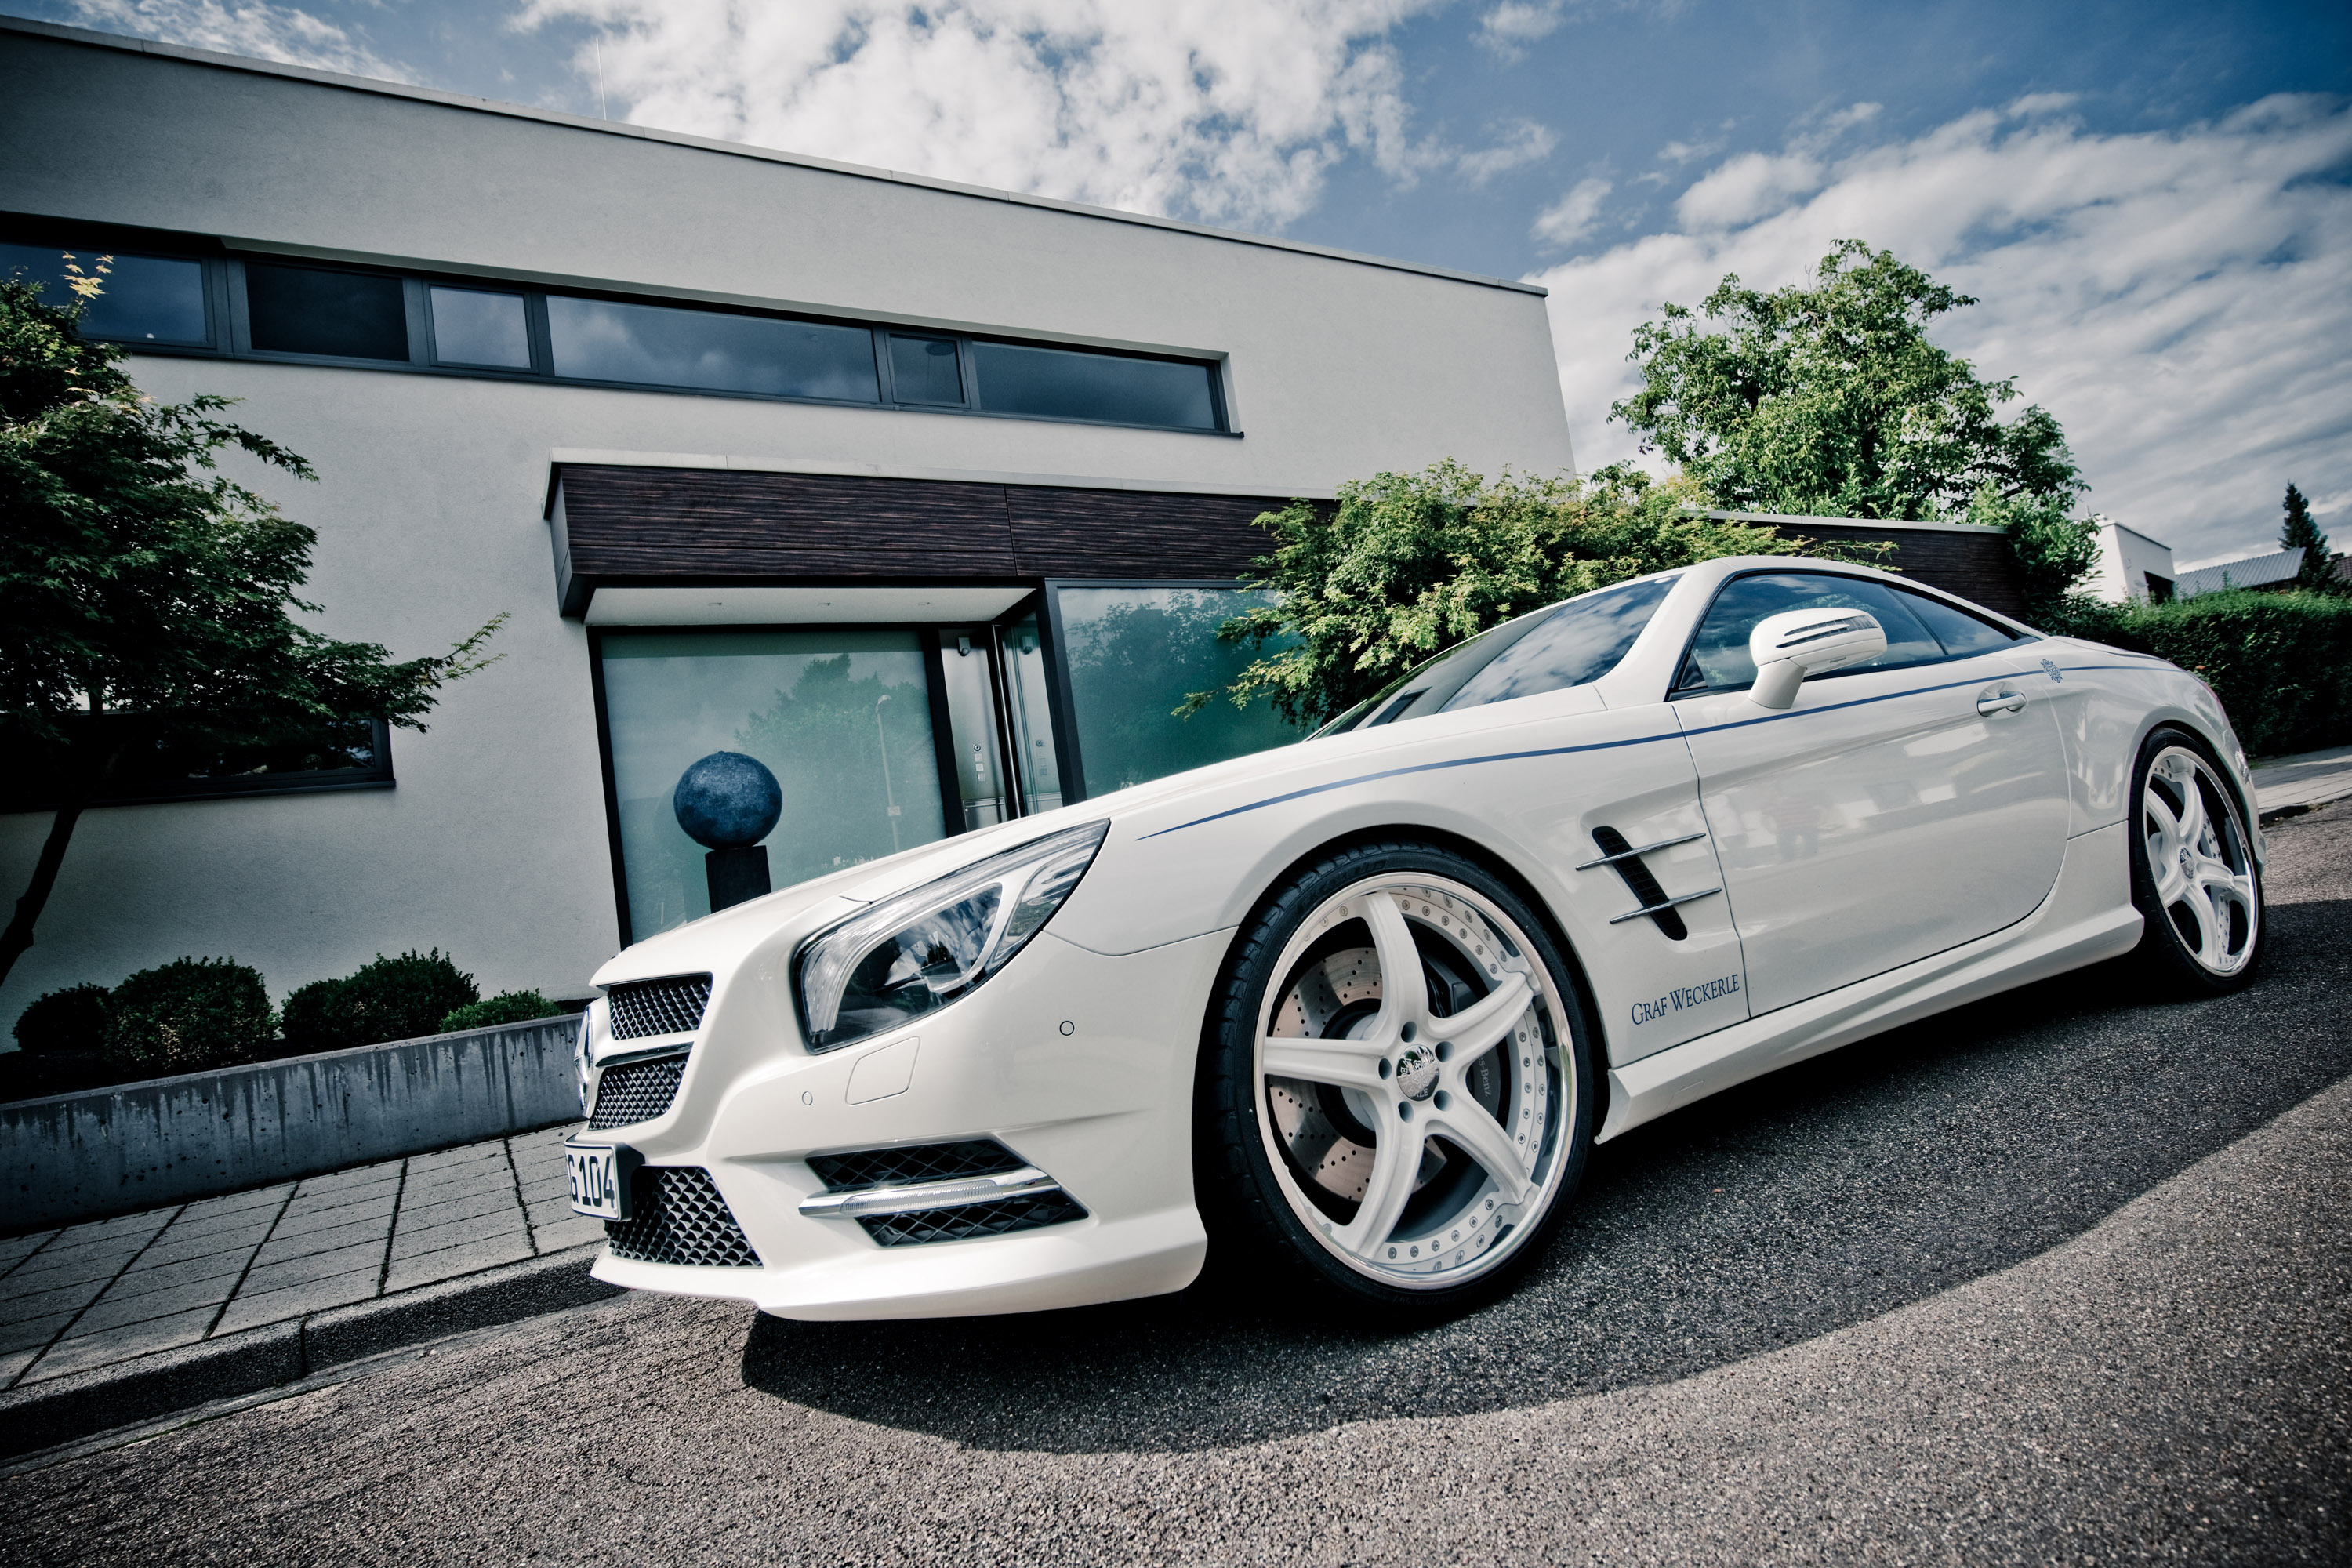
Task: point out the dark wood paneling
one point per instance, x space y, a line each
1977 566
1134 533
648 523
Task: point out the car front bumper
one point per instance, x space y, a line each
1079 1063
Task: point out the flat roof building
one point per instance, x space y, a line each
927 496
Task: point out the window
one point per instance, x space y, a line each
598 340
1133 654
143 299
341 756
1961 633
842 718
1718 661
475 327
923 370
358 315
316 311
1570 643
1063 383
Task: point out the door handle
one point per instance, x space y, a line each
2000 702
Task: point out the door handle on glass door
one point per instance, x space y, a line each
2000 702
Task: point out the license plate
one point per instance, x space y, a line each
600 1185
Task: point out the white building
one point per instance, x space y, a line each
848 469
2133 568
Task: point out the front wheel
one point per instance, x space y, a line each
1397 1089
2193 871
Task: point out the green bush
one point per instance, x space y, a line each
189 1015
73 1019
506 1007
393 999
309 1021
2279 662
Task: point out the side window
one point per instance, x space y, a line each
1719 658
1962 633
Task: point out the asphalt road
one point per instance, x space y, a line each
2066 1276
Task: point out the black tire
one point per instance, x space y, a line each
2197 940
1258 1217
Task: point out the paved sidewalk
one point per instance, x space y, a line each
95 1295
2308 778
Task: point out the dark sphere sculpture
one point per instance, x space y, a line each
728 800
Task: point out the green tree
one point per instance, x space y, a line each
1407 565
829 741
144 597
1828 399
2300 532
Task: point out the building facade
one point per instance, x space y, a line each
2132 568
930 497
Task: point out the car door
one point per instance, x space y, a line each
1900 807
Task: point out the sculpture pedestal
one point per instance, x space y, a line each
736 875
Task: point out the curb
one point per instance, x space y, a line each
57 1411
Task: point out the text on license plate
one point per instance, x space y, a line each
596 1186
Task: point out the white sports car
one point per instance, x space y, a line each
1363 1004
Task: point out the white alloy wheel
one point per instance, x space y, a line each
2199 863
1412 1079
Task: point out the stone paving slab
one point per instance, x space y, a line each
2308 778
88 1297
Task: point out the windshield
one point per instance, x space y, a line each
1567 644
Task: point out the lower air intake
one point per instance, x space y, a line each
679 1218
998 1218
914 1162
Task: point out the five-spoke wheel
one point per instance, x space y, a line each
1401 1080
2194 874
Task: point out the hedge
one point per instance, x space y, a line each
506 1007
189 1015
2279 662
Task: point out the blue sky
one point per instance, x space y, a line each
2153 202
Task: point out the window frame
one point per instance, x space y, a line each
228 322
1676 693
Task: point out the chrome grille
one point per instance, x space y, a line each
973 1220
672 1007
917 1163
680 1218
636 1091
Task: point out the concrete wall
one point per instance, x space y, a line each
73 1157
493 846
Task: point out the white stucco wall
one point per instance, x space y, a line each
493 846
2125 561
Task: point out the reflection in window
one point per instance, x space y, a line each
1062 383
598 340
192 766
143 299
1134 655
315 311
472 326
1026 699
1960 632
923 370
1718 657
843 718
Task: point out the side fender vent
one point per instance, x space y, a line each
1623 858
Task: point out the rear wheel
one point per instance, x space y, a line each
1397 1094
2194 876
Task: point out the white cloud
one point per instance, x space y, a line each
1226 110
2179 299
1510 26
280 33
1525 142
1571 218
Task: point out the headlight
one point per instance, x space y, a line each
914 954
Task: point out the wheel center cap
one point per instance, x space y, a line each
1416 1072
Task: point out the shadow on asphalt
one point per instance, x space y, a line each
1818 1197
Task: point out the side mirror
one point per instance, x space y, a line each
1794 644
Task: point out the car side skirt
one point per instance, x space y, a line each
2087 917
